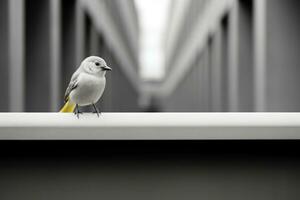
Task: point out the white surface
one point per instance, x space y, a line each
150 126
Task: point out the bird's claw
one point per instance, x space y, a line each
98 113
77 114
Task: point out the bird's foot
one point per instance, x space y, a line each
96 110
77 112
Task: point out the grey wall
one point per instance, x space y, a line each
187 96
4 65
245 51
121 88
282 59
38 68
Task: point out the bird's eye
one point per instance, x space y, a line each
97 64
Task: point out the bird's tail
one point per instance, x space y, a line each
68 107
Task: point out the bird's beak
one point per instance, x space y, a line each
106 68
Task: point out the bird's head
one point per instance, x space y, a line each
95 65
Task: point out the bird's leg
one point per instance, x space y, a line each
76 111
96 110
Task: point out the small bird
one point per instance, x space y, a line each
86 86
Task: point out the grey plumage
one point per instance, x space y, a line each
72 85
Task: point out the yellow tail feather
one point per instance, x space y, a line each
68 107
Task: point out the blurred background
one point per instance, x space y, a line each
166 55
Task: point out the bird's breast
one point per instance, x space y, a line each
89 90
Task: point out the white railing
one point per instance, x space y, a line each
157 126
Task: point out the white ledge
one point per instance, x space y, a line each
156 126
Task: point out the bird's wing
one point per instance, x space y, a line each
72 85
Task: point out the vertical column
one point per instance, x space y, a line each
16 56
233 67
209 80
216 97
245 55
196 84
202 81
55 55
260 25
224 64
68 43
4 64
38 73
241 56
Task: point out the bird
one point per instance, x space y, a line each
86 86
